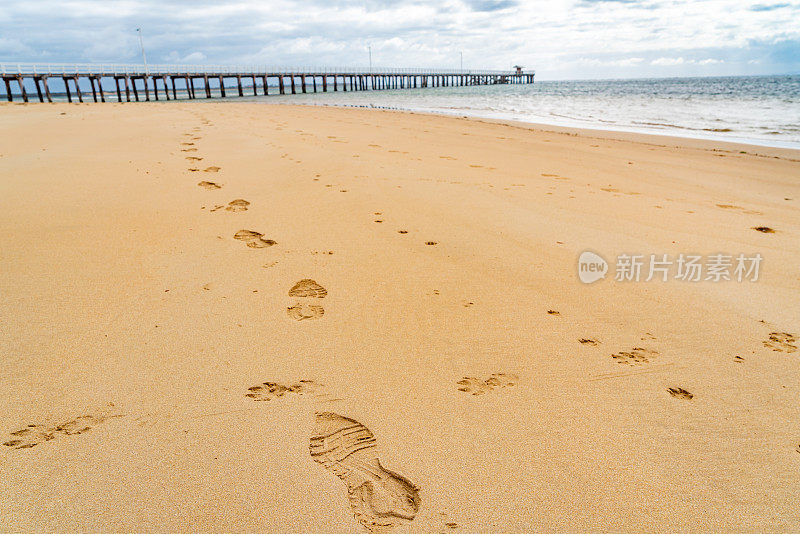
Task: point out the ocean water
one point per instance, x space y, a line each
761 110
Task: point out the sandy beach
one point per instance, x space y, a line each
272 318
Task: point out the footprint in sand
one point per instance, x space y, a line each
635 356
301 311
253 239
194 158
380 499
209 185
680 393
476 386
764 229
237 205
781 342
588 341
212 169
305 289
739 208
33 435
271 390
308 288
188 150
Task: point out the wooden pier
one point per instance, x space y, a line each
127 83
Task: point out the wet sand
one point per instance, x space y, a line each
249 318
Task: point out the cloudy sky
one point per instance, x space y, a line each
560 39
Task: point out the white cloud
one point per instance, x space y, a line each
12 47
194 57
560 38
668 61
672 61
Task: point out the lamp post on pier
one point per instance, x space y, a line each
141 44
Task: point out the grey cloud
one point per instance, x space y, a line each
593 2
490 5
768 7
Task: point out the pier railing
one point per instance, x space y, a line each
95 69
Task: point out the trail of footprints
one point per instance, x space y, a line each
380 499
236 205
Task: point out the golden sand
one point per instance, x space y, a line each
400 292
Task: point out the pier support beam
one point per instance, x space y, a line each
166 87
66 88
78 89
46 89
22 90
38 89
119 92
94 91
